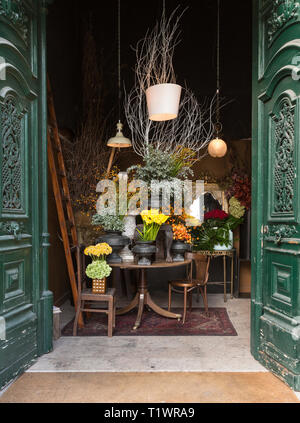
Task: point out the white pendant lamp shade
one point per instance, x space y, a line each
119 141
163 101
217 148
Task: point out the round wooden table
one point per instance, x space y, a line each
143 297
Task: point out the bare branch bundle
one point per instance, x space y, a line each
193 128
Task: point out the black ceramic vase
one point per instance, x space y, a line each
144 251
117 241
178 249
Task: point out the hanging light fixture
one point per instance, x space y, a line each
119 141
163 100
218 147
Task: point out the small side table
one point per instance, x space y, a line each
224 254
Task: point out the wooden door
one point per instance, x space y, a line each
276 191
25 302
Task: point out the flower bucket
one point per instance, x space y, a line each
144 251
99 286
219 247
163 101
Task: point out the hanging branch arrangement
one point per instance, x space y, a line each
193 129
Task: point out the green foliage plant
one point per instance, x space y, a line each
98 269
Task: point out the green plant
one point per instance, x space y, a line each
206 237
236 209
161 166
98 269
109 222
152 220
214 230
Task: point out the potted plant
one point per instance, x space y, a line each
144 248
181 239
113 226
98 270
215 234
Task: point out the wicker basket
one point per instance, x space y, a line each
99 286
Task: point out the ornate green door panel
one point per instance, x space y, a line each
25 303
276 190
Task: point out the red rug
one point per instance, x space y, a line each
196 324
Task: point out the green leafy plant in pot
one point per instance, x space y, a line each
145 248
215 233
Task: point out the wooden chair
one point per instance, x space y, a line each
85 295
189 284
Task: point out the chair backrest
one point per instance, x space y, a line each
202 263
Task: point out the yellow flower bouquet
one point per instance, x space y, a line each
99 251
152 220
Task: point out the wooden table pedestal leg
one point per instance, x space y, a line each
143 299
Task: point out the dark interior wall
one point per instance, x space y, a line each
64 60
194 60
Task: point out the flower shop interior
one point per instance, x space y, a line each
93 49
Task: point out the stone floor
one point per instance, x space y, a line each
220 361
157 354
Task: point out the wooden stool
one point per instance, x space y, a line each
109 297
86 295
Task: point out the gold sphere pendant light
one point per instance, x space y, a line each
217 148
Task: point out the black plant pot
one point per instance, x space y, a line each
178 249
117 243
144 251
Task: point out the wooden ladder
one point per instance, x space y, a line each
62 195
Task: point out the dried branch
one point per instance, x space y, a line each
193 128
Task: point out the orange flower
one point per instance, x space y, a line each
180 233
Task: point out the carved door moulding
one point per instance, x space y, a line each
15 12
283 159
13 194
282 12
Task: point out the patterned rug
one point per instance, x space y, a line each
196 324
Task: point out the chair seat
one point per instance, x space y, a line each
187 282
87 294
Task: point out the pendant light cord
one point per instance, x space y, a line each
218 124
119 59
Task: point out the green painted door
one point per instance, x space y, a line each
276 188
25 302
